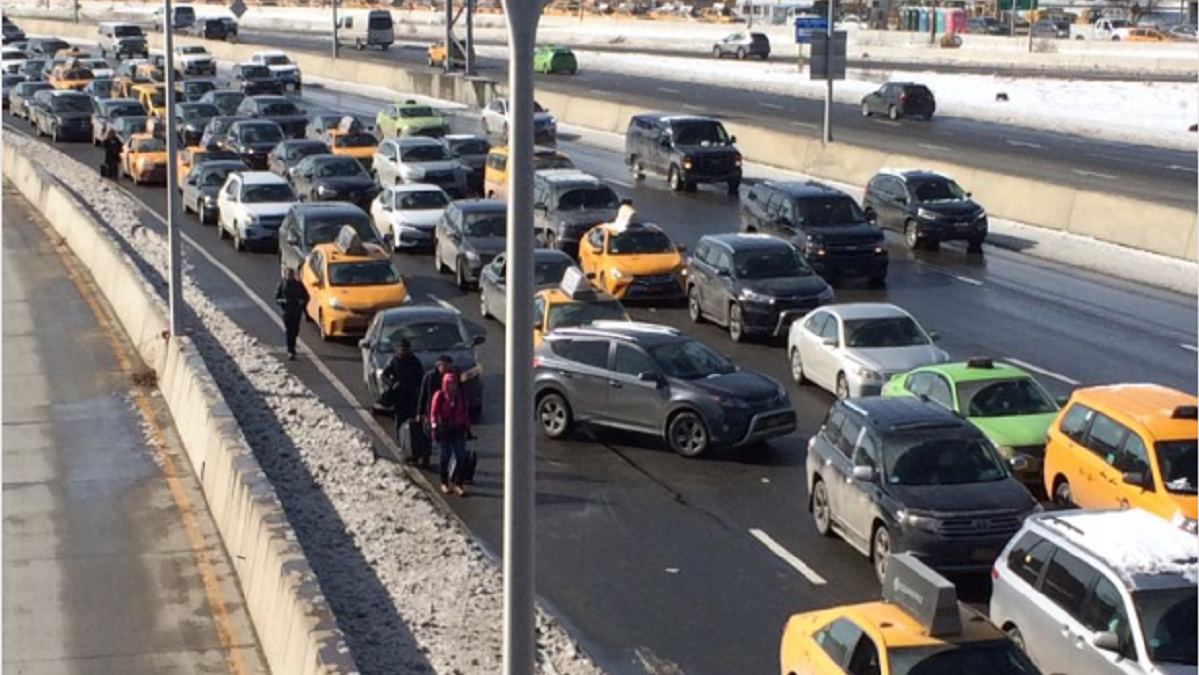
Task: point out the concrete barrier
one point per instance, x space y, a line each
296 629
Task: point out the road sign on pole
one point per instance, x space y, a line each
828 59
238 8
806 25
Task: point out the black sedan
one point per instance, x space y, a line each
191 119
253 141
202 185
289 153
900 99
432 330
322 178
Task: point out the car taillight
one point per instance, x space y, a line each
995 573
903 98
536 361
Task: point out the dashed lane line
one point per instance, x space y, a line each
968 280
772 106
931 146
1047 373
668 90
1176 167
1024 144
1094 174
788 557
1189 348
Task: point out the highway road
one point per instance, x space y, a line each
1142 172
661 564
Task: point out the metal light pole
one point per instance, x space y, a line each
519 455
470 38
449 36
335 45
175 253
827 138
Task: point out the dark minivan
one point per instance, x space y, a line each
824 223
686 149
900 99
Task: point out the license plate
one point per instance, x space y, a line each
965 226
985 554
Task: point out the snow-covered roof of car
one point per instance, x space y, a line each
261 178
1135 544
270 52
414 187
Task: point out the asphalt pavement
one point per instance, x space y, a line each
666 565
1153 174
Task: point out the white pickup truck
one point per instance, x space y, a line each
1101 29
281 67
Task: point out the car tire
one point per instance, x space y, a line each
1063 496
892 113
636 168
460 276
688 435
736 322
675 179
865 109
1013 633
483 304
842 388
320 326
716 52
221 231
822 515
911 235
797 371
871 217
437 265
239 244
554 415
880 551
733 187
693 308
741 53
975 246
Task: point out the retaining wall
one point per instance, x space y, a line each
297 631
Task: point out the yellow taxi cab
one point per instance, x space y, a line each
1126 446
153 97
193 156
1147 35
573 303
437 54
919 627
144 159
495 173
70 75
354 143
348 281
148 72
633 260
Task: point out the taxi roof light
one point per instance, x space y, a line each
1185 412
349 125
348 241
922 594
980 362
576 285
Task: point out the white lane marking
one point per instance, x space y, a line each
621 183
1048 373
1096 174
601 92
668 90
886 122
968 280
1189 348
788 557
772 106
930 146
1175 167
443 303
1024 144
688 106
806 125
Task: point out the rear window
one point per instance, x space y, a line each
379 22
127 31
324 228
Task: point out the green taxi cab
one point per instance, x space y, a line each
552 59
411 119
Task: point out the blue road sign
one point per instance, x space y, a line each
805 25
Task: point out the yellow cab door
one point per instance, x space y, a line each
312 274
1101 485
591 253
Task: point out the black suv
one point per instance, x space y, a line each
312 223
900 475
824 223
751 283
567 203
900 99
255 80
927 207
684 148
654 380
253 141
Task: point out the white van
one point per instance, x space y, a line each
373 28
183 17
120 39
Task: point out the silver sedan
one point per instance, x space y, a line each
853 349
549 266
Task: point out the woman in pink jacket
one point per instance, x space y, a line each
450 422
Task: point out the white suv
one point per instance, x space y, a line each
1099 593
416 159
251 207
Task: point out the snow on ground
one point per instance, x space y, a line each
410 590
1154 113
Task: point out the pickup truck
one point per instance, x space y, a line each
1101 29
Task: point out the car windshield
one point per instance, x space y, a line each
828 211
424 199
131 124
1177 461
127 31
198 111
261 133
1168 620
319 230
77 74
687 359
425 336
72 104
485 224
425 153
914 457
550 272
256 73
102 87
1004 398
150 145
783 262
355 141
939 190
412 112
890 331
552 162
340 168
192 49
700 132
300 151
217 175
601 197
276 192
279 109
470 147
276 60
992 657
370 273
632 242
583 313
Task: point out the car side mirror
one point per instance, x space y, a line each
1018 463
478 340
365 344
1107 641
829 342
540 206
1061 401
732 139
721 272
650 376
665 142
934 336
1140 479
682 248
903 200
866 474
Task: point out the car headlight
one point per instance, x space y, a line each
981 215
210 200
826 295
326 191
813 247
926 214
688 162
920 522
737 160
254 219
754 296
867 373
473 258
615 273
336 304
1186 524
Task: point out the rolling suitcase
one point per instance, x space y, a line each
465 473
414 442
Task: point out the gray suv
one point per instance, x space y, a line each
568 203
653 379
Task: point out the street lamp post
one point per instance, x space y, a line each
333 3
174 249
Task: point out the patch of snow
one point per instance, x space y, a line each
1136 543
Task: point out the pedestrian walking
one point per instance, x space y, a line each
449 418
403 377
431 383
292 298
112 157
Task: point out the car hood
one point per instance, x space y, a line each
1016 430
754 388
891 360
542 118
268 209
999 495
195 58
339 183
848 235
788 287
961 209
284 70
419 217
425 167
464 359
72 117
646 263
487 246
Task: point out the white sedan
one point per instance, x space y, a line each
406 214
853 349
251 207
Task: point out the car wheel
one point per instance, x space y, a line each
437 264
880 551
871 217
736 323
675 179
911 235
734 186
221 231
821 512
483 304
716 52
688 435
460 275
842 386
320 325
693 309
797 372
865 109
554 416
975 245
892 113
740 53
1016 637
239 244
1063 496
185 209
636 168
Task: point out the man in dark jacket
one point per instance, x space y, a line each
403 377
292 298
431 384
112 156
